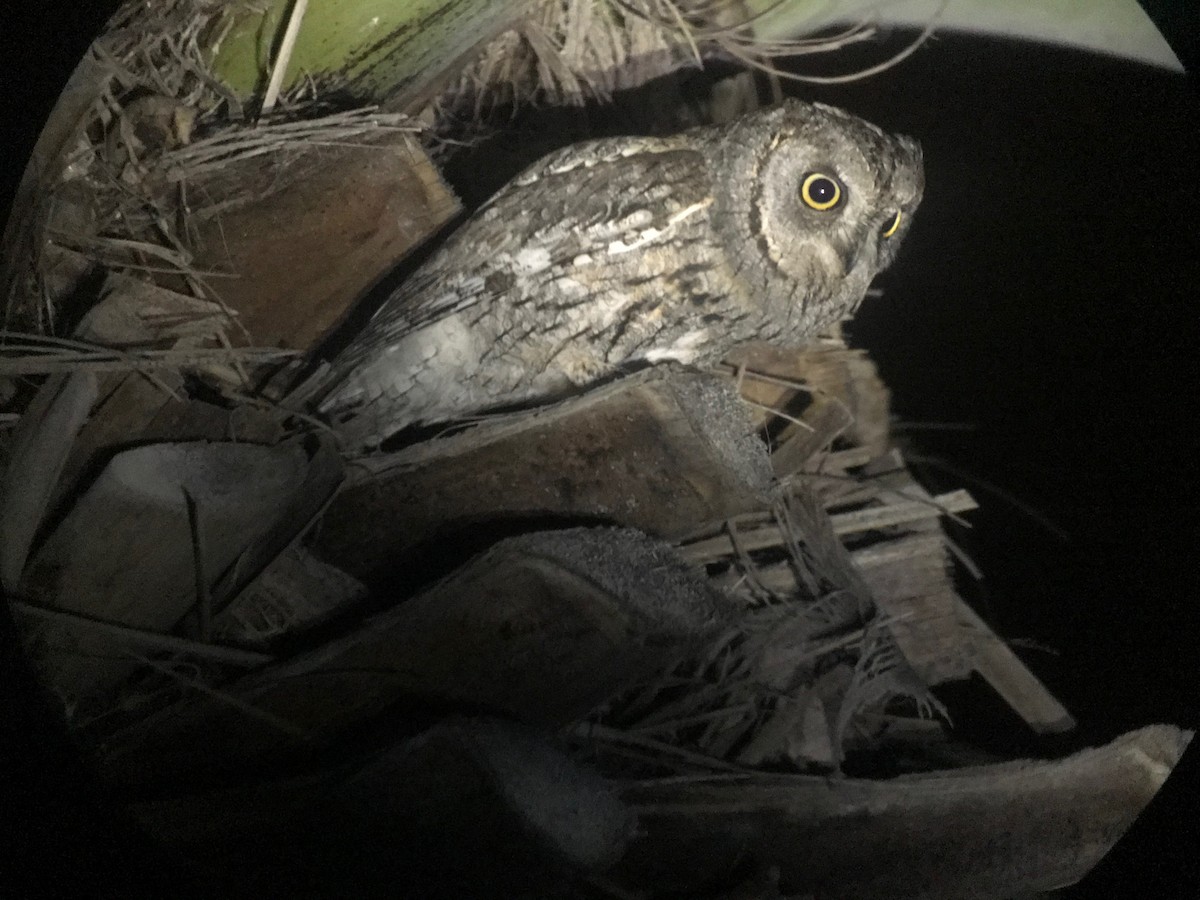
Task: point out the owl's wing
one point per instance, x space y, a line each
587 198
556 241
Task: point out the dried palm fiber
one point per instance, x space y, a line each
819 647
568 52
144 116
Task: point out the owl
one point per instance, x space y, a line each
617 253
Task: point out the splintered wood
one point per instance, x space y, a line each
842 555
835 444
705 662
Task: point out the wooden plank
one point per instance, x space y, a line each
781 577
980 832
1004 671
902 511
887 515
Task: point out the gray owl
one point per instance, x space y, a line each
615 253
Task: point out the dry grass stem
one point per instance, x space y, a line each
603 736
150 640
572 51
31 354
248 709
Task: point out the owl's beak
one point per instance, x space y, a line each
863 256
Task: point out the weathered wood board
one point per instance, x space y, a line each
981 832
124 553
37 452
662 451
297 243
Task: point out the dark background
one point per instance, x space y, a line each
1048 298
1047 302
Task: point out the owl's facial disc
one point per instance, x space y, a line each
835 196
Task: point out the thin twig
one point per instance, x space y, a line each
203 598
800 423
590 732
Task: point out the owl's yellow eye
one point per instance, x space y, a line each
820 191
889 230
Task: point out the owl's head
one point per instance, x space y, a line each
819 200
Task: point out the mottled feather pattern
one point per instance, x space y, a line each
625 251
